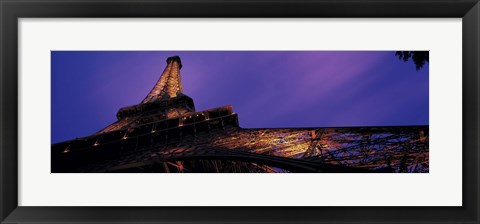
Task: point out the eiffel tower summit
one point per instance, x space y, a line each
165 134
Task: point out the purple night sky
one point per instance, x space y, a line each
268 89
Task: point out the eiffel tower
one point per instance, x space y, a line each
164 133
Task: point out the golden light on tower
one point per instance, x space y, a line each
169 85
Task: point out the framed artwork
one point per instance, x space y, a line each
173 136
248 112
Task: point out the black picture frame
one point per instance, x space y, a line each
12 10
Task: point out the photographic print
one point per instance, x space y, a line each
240 111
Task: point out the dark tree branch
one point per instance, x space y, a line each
418 57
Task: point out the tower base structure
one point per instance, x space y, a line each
213 142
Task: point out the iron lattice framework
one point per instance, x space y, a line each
164 133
